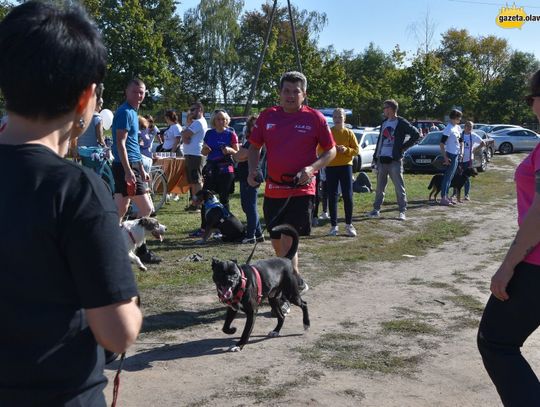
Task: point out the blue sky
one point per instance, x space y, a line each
353 24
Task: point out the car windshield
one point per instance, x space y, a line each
433 138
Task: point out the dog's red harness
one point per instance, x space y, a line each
240 293
130 235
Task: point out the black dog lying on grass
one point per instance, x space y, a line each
219 218
457 183
246 285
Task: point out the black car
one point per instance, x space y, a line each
425 157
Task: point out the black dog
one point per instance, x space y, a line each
245 286
457 183
219 218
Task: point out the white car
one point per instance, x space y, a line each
515 139
367 141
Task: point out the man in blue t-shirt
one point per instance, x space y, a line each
129 175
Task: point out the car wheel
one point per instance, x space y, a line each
506 148
355 166
489 154
483 164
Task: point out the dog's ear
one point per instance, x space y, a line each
148 223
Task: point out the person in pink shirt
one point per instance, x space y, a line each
513 310
291 133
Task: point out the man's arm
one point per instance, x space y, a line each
121 137
186 135
414 135
115 326
253 156
307 173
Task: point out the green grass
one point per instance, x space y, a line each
408 327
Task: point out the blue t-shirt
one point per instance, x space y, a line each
216 141
125 118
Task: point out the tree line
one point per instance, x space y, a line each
210 53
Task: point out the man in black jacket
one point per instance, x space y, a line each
388 156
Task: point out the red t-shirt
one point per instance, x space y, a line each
526 187
291 141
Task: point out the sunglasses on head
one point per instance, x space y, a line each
530 99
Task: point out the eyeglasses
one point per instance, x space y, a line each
193 109
530 99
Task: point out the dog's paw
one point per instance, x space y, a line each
235 348
143 267
273 334
306 327
229 331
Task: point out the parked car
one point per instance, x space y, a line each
367 141
491 128
425 157
510 140
425 125
488 141
238 123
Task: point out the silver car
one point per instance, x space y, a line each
509 140
367 141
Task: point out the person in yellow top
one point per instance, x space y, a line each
339 172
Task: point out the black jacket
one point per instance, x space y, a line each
403 128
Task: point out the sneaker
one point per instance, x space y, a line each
314 222
176 198
445 202
467 198
350 230
302 286
248 240
192 208
285 307
197 233
402 216
150 258
333 231
374 214
217 235
260 239
324 215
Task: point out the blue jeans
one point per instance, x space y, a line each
504 327
248 198
449 174
339 175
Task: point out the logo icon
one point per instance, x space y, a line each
511 17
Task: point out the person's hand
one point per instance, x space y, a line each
341 149
145 175
305 175
205 149
130 177
499 282
225 150
446 161
251 179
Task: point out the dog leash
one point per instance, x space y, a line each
289 180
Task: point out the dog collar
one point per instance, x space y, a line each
130 235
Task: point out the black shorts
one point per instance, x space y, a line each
120 186
297 213
194 166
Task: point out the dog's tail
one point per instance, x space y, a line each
290 231
431 183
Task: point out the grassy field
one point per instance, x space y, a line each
423 231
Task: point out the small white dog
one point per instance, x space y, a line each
135 231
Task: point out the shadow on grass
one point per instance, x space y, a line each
202 347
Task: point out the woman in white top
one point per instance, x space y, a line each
450 150
171 136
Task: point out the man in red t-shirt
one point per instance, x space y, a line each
291 133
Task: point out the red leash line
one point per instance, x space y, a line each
116 387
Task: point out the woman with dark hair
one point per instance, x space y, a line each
450 146
172 135
66 285
512 313
248 194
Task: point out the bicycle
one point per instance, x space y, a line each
158 187
98 159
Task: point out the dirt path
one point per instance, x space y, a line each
354 319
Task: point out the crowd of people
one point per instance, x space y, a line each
75 296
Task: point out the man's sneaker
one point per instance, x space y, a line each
302 286
248 240
192 208
324 215
217 235
176 198
333 231
402 216
260 239
467 198
285 307
374 214
350 230
197 233
150 258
